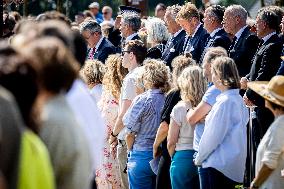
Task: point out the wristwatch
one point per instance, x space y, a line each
113 134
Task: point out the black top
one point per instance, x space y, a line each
171 100
156 51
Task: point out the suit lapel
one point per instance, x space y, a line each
99 50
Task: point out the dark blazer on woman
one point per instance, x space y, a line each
156 51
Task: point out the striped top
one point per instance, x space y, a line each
143 118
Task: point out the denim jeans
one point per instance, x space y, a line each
183 172
211 178
140 174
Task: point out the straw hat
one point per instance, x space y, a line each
272 91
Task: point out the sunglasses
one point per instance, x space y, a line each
105 12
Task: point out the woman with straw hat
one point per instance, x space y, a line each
270 152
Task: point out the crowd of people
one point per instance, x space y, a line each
186 99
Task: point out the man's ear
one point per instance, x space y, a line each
237 19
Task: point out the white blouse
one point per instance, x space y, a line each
271 153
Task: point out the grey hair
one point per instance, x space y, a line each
173 10
156 30
214 52
238 10
91 26
132 20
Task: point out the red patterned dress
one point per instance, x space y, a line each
107 174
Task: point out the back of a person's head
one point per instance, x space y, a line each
156 75
58 29
214 52
114 75
192 84
226 69
179 63
55 63
53 15
19 76
138 48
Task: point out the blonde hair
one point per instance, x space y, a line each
156 75
192 85
188 11
226 69
114 75
93 71
179 64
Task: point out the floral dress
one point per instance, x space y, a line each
107 174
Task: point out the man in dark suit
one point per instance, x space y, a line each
264 66
213 18
245 43
99 47
175 42
126 27
189 19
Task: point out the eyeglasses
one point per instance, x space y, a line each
123 52
105 12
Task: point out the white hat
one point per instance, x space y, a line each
94 5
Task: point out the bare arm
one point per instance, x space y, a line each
172 137
118 124
198 113
262 175
160 137
130 138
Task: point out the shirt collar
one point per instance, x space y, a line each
268 36
239 33
230 92
178 32
155 91
214 32
99 43
130 37
196 29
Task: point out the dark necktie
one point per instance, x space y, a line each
233 43
187 45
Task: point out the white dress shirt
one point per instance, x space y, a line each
271 153
224 141
87 113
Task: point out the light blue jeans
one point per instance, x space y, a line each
183 172
140 174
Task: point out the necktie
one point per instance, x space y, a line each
188 45
91 53
208 42
233 43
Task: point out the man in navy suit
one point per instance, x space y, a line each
189 19
175 42
245 43
98 46
213 18
265 64
126 27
